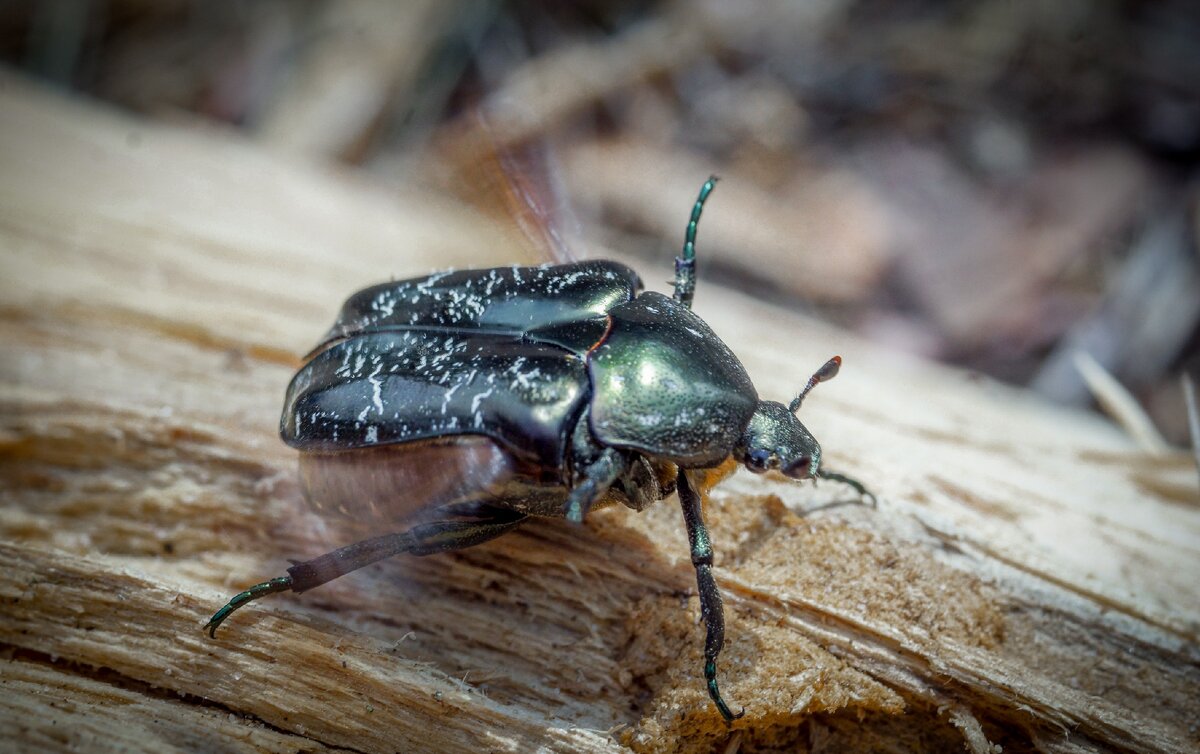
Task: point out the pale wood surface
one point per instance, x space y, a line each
1029 579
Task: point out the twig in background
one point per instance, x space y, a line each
363 55
1119 404
1193 415
1149 309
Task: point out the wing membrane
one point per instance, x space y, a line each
388 486
514 179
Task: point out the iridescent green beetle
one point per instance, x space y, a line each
462 403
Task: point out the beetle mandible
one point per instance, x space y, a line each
465 402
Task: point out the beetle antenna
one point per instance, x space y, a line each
685 263
827 372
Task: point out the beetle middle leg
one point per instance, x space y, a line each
597 478
423 539
685 263
711 609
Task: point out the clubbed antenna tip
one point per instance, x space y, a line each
827 372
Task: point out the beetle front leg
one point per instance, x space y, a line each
850 482
711 609
597 478
424 539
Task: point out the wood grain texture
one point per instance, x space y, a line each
1028 579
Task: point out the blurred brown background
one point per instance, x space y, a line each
998 185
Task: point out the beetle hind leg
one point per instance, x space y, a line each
423 539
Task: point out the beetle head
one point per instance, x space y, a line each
775 438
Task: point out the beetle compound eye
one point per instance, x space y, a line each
801 468
758 460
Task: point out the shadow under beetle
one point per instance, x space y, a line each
462 403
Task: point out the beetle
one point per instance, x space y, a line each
463 403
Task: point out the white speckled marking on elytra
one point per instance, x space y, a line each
478 399
376 389
449 395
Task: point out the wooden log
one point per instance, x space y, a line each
1028 580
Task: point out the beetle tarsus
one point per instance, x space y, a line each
851 482
685 263
281 584
711 609
710 675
